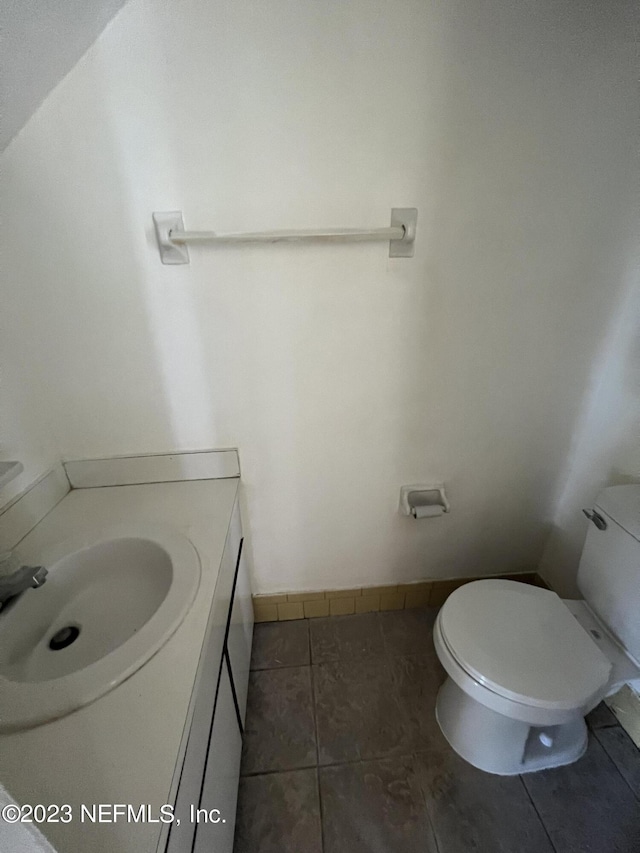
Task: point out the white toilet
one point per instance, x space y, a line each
526 666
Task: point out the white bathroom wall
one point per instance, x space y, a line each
25 430
340 374
41 42
606 445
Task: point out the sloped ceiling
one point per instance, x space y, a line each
41 41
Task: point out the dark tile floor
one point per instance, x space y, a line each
342 754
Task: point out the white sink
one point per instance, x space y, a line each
109 603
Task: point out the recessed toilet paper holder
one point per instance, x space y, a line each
423 501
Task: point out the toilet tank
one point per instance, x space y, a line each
609 573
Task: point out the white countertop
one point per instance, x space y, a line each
123 747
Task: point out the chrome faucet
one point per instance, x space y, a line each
16 578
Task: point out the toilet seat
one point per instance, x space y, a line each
523 643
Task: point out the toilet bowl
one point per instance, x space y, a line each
525 666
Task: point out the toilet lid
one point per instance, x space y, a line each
523 642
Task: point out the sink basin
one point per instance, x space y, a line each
109 603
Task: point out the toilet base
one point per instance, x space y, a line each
498 744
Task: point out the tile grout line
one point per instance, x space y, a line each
414 756
384 756
539 816
384 639
315 731
320 813
276 772
285 666
372 657
615 725
606 752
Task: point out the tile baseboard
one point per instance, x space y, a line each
337 602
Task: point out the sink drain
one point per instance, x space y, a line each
64 637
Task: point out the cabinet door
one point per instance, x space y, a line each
178 837
215 825
181 832
240 636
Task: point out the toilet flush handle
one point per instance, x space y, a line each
597 519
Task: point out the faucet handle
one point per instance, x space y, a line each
39 576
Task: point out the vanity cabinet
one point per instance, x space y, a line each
208 771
